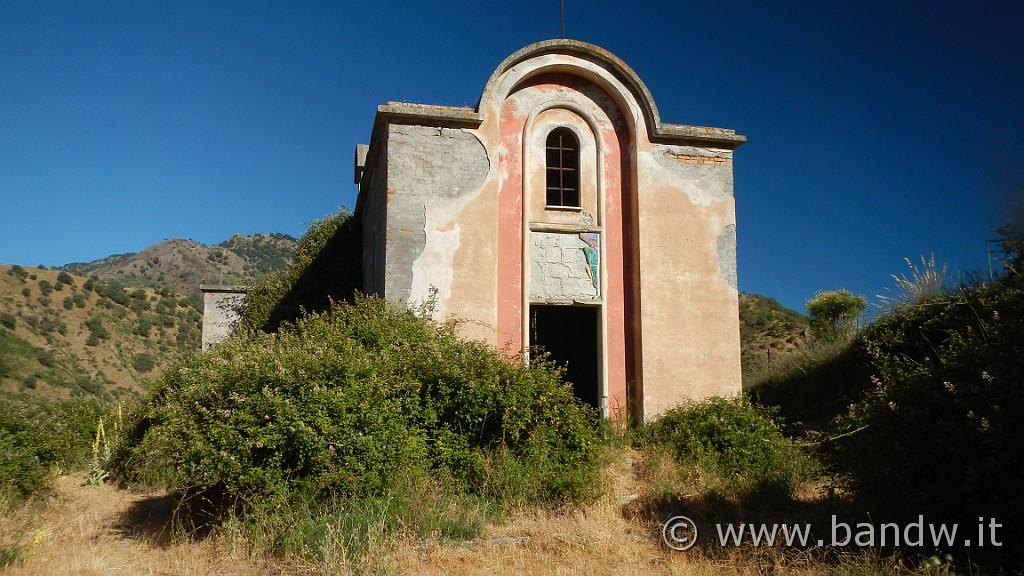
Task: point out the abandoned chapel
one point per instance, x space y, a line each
561 212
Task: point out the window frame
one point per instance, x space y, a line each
562 170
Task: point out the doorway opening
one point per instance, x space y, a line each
571 335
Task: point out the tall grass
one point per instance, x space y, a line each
928 282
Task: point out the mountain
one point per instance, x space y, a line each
108 328
185 264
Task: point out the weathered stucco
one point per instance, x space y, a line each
453 199
221 308
431 174
565 267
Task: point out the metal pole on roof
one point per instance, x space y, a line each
561 4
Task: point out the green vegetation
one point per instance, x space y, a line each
945 413
328 418
737 448
263 253
835 314
38 437
325 269
769 332
360 404
18 272
144 362
330 422
921 412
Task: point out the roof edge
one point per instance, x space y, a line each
662 133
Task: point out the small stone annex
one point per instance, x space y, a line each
562 212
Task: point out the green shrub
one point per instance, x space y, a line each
39 435
356 402
18 272
65 278
46 358
737 445
144 362
112 290
142 328
325 268
45 288
8 320
96 329
941 429
835 314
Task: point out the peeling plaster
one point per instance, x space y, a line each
434 172
726 246
433 267
666 188
706 172
565 266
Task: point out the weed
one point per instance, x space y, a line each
928 282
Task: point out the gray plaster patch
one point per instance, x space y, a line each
439 162
406 239
431 170
727 254
564 266
703 179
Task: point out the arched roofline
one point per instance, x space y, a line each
659 132
586 51
453 116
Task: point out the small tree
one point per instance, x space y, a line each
836 313
1011 242
18 272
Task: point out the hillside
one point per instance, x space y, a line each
768 331
107 328
185 264
66 335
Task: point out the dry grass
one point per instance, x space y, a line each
100 530
86 530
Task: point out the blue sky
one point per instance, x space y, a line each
877 131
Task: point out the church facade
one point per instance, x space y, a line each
562 212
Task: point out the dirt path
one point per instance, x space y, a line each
101 530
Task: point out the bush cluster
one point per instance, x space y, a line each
941 430
359 401
738 444
38 436
326 268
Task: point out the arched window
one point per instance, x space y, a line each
563 168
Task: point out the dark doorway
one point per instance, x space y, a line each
570 335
